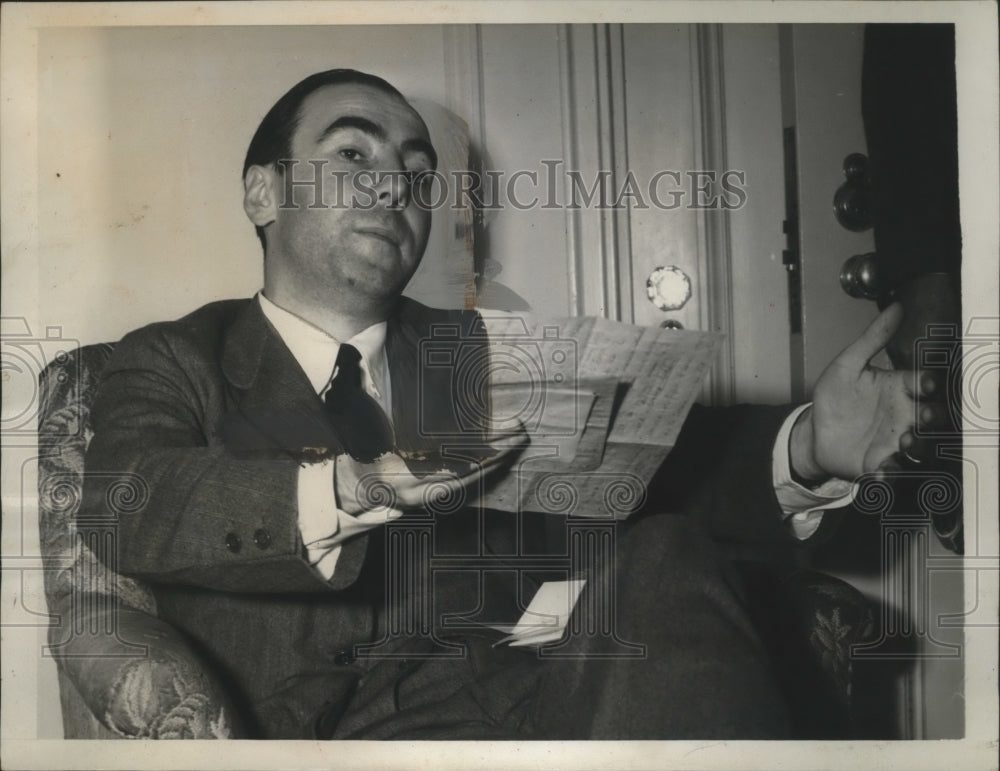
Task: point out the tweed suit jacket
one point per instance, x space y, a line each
213 416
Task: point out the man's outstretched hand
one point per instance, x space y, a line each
862 417
388 483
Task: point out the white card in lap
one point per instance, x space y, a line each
547 614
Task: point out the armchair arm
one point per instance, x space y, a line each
141 678
808 622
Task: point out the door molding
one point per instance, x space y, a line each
715 258
594 111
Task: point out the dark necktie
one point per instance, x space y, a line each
360 423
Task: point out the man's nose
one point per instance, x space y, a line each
393 187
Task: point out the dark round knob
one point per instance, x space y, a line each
856 166
671 324
852 203
860 277
852 206
233 542
262 538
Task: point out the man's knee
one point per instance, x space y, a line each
666 545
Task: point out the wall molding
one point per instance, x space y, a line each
463 70
464 96
715 260
593 105
622 218
570 134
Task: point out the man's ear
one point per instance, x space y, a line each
259 196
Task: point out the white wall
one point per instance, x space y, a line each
142 133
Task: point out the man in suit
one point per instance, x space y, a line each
261 548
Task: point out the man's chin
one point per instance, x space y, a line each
381 288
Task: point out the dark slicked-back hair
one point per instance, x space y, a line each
273 139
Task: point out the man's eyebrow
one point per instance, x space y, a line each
415 145
353 121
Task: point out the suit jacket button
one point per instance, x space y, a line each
343 658
262 538
233 542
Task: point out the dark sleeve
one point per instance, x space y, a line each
166 501
721 472
911 130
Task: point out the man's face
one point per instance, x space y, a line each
366 240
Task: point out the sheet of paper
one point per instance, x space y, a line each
558 421
546 616
555 452
666 368
659 373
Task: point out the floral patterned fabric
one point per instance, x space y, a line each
835 616
134 673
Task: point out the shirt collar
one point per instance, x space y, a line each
316 351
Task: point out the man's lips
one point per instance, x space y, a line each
384 234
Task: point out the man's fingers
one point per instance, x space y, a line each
510 441
922 451
382 514
496 451
888 468
447 495
916 449
433 482
874 338
933 418
513 438
932 385
506 445
443 488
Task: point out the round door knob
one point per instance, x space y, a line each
852 203
668 288
856 166
860 277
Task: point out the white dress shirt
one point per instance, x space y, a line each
324 527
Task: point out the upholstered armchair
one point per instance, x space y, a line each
125 673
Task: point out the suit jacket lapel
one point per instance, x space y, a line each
424 398
276 410
402 350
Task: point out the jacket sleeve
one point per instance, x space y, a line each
720 471
165 500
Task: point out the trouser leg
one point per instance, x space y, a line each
704 673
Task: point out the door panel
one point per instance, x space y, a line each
821 72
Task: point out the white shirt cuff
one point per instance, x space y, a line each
319 517
803 507
322 524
